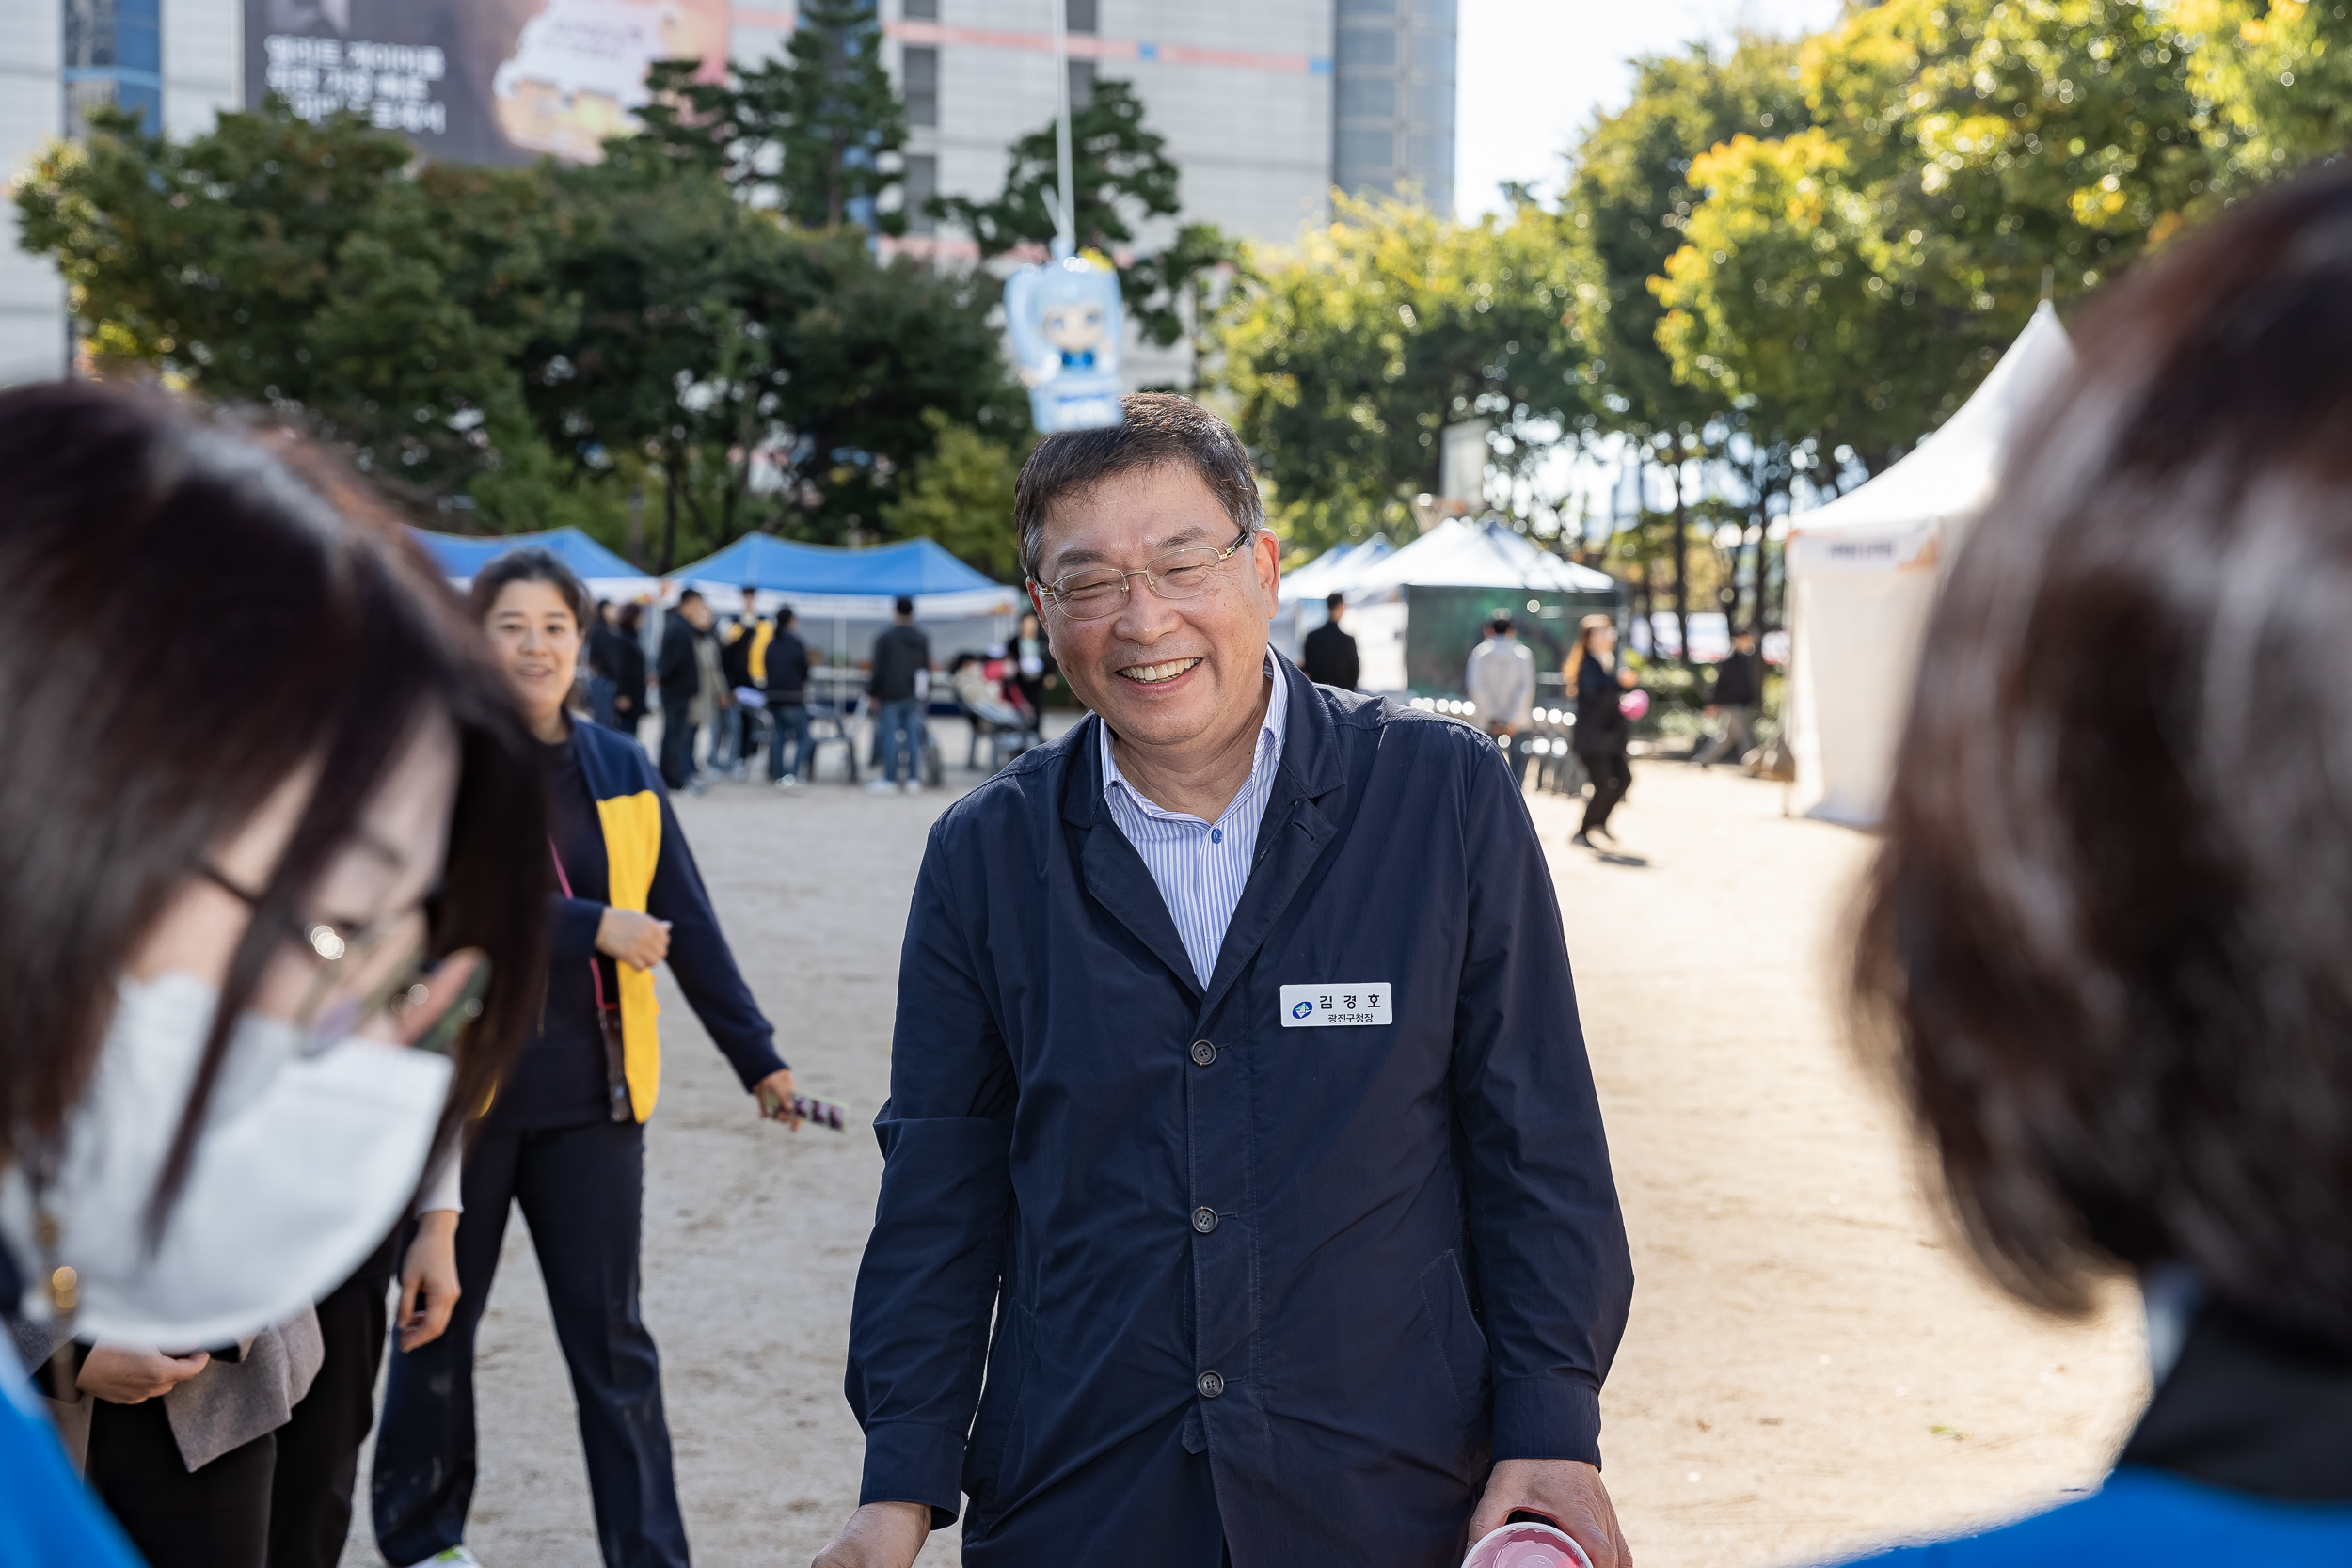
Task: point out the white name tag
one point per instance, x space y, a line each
1334 1006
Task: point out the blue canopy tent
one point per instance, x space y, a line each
920 569
605 574
854 590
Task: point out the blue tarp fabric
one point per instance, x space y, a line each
463 555
911 567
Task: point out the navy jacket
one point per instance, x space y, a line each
675 671
1250 1284
649 868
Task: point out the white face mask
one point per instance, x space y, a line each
300 1168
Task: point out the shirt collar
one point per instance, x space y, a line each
1269 753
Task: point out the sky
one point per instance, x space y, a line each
1530 73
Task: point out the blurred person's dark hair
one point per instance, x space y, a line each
289 621
1498 623
1158 430
903 606
1335 601
529 565
632 617
785 616
2106 936
693 596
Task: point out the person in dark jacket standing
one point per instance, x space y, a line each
901 674
679 672
1330 652
1602 731
738 733
628 656
1738 691
788 702
565 1136
1237 1084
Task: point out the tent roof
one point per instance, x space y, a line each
464 555
1462 554
1329 571
1951 473
912 567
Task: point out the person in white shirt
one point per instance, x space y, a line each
1501 684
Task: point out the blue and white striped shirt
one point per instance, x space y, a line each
1200 867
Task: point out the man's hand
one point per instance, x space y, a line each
428 1279
132 1375
881 1535
1567 1492
637 940
773 1094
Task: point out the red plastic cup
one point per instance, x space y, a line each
1527 1546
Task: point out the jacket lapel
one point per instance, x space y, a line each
1301 811
1114 873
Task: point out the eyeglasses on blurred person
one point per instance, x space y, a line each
246 725
2108 937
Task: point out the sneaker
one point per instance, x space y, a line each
915 786
787 784
881 787
457 1556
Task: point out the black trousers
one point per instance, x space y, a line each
583 1193
677 740
1611 777
215 1517
318 1449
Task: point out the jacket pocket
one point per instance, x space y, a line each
1462 1345
1009 1365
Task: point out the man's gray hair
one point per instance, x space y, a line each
1161 430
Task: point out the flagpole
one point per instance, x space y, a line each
1065 226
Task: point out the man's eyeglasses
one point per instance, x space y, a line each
1095 594
369 972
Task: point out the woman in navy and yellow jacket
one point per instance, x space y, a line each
564 1136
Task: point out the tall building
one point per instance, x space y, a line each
1265 104
175 61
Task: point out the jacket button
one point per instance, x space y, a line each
1210 1385
1204 1220
1203 1053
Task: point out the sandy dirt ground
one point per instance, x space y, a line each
1809 1367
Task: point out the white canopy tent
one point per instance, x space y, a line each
1379 583
1862 576
1300 607
1459 553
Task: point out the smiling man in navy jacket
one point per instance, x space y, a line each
1240 1122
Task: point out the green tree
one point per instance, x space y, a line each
811 135
962 495
1997 140
1343 361
2279 75
771 377
1773 305
848 117
1120 176
315 268
1630 197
